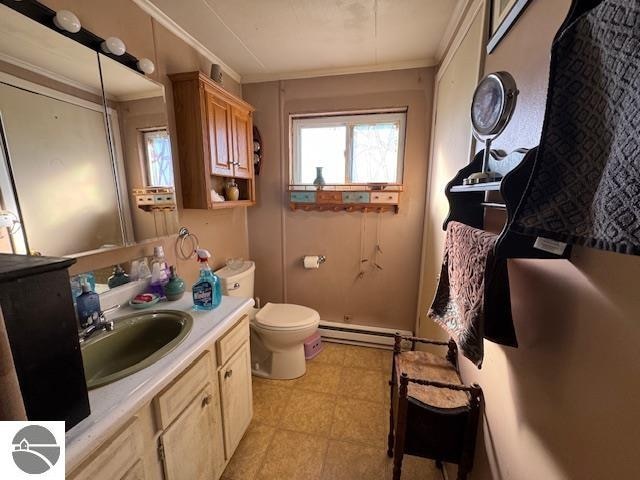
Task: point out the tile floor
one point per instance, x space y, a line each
330 424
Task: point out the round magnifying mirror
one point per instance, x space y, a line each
493 104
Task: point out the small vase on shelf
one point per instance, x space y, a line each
232 192
319 181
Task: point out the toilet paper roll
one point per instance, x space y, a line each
312 261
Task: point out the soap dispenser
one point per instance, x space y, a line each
118 278
207 293
88 306
175 288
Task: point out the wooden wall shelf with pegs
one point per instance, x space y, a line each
378 201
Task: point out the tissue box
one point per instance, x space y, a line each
312 346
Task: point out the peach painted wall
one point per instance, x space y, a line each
224 232
564 405
279 238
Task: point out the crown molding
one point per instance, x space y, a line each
452 27
328 72
166 21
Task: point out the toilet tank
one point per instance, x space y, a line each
237 282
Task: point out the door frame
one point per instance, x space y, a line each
477 7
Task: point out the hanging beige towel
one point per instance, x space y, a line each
11 405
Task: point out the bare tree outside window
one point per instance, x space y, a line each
159 163
363 148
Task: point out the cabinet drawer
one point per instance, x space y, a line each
355 197
117 457
233 339
173 399
329 197
384 197
303 197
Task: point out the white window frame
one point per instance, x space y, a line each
145 153
349 120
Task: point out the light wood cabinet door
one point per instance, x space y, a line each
219 131
242 134
236 393
119 458
136 472
192 445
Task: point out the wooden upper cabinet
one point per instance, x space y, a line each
242 129
215 141
219 131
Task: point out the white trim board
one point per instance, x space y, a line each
164 20
329 72
452 28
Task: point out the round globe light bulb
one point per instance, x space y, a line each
67 20
146 66
114 45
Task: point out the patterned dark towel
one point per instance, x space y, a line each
585 185
472 300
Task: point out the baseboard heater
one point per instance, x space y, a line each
359 334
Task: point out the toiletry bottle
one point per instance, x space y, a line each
175 288
118 278
88 306
207 293
157 284
158 258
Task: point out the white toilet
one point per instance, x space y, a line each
278 330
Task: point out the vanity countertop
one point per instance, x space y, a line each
113 404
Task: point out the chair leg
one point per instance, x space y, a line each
462 474
390 439
398 456
392 383
401 428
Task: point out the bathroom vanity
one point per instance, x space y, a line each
183 416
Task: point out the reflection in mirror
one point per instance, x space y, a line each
56 172
142 148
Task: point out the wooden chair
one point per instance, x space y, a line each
432 414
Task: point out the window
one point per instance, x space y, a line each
362 148
158 162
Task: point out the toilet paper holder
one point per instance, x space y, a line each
309 258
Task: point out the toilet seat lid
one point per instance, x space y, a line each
286 316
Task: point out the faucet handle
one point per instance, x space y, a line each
108 324
109 310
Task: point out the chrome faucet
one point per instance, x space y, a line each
100 324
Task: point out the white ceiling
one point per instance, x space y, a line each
261 40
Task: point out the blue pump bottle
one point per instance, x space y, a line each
207 293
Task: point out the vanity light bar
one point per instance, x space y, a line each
64 24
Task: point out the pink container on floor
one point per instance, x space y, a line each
312 346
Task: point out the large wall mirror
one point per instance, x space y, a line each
71 156
137 122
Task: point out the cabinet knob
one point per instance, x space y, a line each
206 400
228 373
